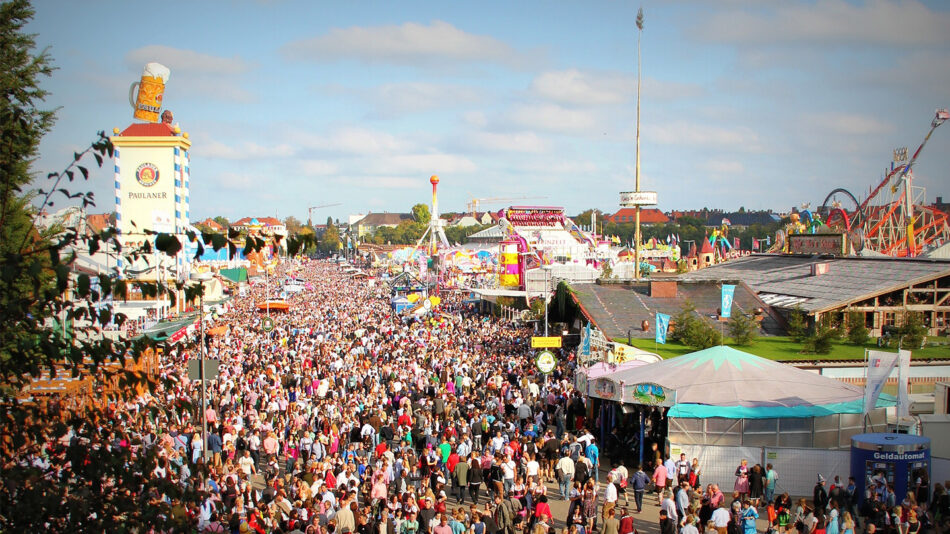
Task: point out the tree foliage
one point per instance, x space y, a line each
693 331
822 337
101 485
857 332
797 325
421 213
742 328
912 331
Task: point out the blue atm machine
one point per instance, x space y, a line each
898 459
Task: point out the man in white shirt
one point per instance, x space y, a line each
610 496
670 507
533 468
720 518
565 470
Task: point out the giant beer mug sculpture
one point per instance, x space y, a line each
147 102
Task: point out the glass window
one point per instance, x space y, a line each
686 425
802 424
797 439
759 440
829 422
718 425
826 440
760 425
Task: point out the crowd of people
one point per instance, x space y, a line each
346 417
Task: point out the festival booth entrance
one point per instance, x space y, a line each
722 405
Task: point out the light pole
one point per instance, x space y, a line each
201 278
547 292
636 253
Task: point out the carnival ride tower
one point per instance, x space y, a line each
435 231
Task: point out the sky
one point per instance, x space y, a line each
290 104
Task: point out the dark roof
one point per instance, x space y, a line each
616 308
380 219
786 281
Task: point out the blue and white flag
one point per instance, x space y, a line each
880 366
585 341
662 325
728 291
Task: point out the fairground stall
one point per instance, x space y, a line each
722 405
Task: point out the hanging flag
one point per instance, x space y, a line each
585 341
736 244
768 241
903 373
880 365
728 291
669 239
662 325
755 244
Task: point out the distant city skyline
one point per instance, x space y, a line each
292 104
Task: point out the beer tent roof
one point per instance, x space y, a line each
725 382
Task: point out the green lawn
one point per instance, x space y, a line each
784 349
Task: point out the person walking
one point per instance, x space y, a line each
564 471
639 482
771 479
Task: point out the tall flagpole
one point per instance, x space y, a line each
636 254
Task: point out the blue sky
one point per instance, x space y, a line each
289 104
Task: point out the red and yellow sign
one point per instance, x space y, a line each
147 174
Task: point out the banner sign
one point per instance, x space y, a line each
546 362
728 291
541 342
662 325
585 342
880 365
649 394
638 198
834 244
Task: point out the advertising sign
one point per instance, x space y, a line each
546 362
541 342
834 244
649 394
638 198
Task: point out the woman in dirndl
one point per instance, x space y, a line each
742 479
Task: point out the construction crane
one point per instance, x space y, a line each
475 202
311 208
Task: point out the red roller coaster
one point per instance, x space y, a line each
893 219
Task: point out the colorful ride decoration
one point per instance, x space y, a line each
511 263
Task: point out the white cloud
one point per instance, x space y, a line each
696 134
475 118
899 22
407 44
508 142
595 88
721 166
351 140
210 148
317 167
423 164
401 98
186 61
553 118
573 86
383 182
847 123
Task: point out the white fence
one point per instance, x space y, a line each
797 469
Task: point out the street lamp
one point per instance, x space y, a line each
201 278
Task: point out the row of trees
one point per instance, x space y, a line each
820 337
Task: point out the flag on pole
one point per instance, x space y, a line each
728 291
736 243
880 365
755 244
662 325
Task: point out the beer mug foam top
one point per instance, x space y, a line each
147 102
